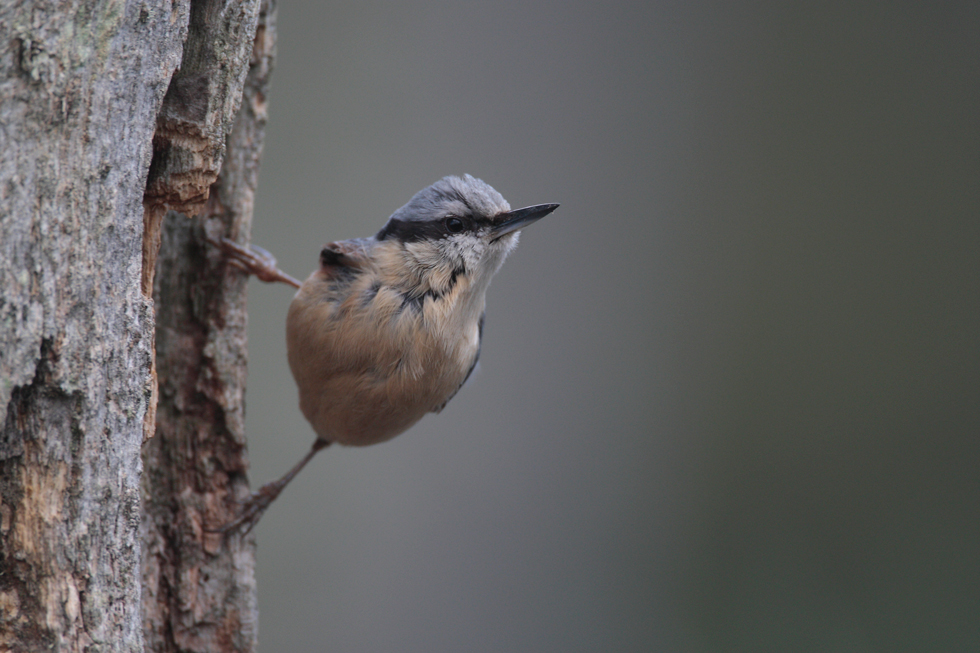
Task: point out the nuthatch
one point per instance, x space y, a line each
388 328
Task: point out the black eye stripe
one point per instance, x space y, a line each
411 231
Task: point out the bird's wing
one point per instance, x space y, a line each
354 253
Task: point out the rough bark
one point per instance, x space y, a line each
80 88
199 587
82 115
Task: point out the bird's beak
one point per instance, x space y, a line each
512 221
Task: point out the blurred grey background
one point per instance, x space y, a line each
729 397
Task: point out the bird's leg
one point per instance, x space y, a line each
253 507
254 260
257 261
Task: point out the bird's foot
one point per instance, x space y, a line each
254 260
252 509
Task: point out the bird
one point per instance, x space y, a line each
388 328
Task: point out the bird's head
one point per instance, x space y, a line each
458 226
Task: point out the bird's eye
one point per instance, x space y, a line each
454 225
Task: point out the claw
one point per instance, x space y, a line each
252 509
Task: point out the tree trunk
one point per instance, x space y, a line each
88 98
199 586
